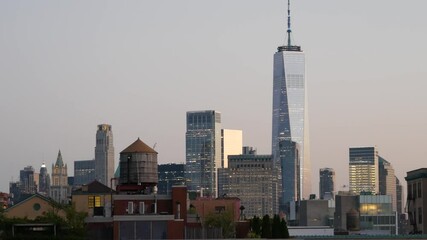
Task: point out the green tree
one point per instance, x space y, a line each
276 227
284 232
223 220
266 227
75 220
256 225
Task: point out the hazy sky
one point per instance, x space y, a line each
66 66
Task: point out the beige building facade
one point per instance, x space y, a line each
32 207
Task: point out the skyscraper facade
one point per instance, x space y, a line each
363 170
327 182
251 178
290 143
387 180
44 181
169 175
203 151
399 196
84 172
231 144
15 192
28 185
104 154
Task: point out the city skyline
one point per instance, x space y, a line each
57 73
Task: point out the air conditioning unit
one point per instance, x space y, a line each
130 208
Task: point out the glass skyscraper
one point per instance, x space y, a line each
203 151
84 172
290 143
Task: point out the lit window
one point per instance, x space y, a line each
94 201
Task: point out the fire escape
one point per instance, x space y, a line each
412 209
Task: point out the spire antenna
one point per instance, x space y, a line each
289 31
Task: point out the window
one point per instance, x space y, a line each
219 209
420 215
419 189
409 191
414 190
94 201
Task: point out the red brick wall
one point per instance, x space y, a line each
176 230
179 194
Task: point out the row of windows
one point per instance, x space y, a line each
250 165
414 190
414 217
101 141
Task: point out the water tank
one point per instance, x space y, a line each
353 220
138 164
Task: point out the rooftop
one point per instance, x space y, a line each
138 147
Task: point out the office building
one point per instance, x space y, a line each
104 154
169 175
290 141
231 144
44 181
203 151
14 192
365 214
417 200
70 181
59 189
346 207
363 170
28 184
253 179
399 196
84 172
327 182
377 215
314 212
387 180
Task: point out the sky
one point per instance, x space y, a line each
67 66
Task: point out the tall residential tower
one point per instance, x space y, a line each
104 154
290 143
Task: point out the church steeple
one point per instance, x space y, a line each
59 161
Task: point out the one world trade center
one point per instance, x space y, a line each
290 139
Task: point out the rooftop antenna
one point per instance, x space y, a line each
289 23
